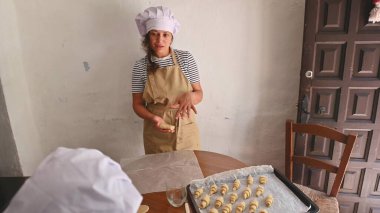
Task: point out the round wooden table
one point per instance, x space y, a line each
210 163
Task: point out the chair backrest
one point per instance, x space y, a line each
326 132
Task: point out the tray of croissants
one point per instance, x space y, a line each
255 189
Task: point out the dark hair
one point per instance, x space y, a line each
152 67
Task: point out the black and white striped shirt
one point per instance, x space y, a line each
185 61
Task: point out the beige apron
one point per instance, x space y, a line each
161 90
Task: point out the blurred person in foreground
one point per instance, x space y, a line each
76 180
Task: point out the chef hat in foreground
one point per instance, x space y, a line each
77 180
157 18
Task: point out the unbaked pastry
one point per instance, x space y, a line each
205 201
253 205
224 189
247 193
263 180
164 125
269 200
240 207
233 198
236 184
259 191
219 202
227 208
213 210
213 189
143 209
249 180
198 192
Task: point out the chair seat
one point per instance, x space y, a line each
325 203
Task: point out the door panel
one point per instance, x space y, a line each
361 102
362 144
320 147
317 179
343 51
352 182
375 185
348 207
366 61
329 60
325 103
333 16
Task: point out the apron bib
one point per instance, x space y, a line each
161 90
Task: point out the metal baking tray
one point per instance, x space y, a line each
313 208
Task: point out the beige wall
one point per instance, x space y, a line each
18 97
248 53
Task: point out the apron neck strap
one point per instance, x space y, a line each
173 56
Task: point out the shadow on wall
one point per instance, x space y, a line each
9 161
279 66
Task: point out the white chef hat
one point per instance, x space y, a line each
157 18
77 180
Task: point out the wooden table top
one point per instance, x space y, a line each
209 162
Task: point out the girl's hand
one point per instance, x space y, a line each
157 120
184 104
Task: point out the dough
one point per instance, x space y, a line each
224 189
213 189
263 180
205 201
233 198
259 191
219 202
249 180
247 193
240 207
213 210
143 209
253 205
198 192
236 184
269 200
227 208
164 125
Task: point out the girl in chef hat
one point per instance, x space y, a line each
165 85
76 180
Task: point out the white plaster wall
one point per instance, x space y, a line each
16 90
248 53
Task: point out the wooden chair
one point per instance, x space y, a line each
326 203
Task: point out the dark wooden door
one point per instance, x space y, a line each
342 52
